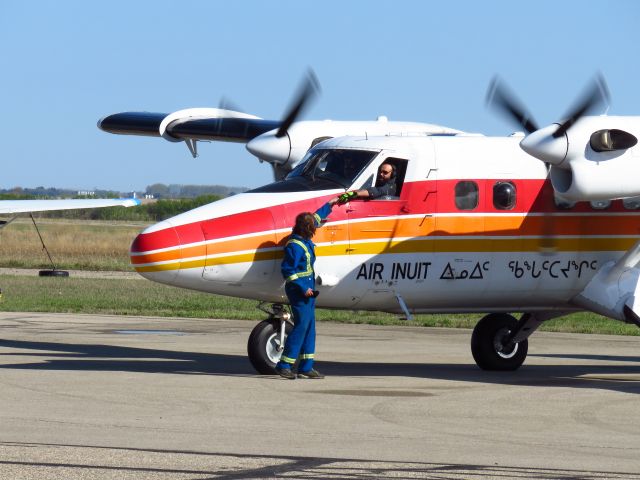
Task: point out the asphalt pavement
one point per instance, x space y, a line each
87 396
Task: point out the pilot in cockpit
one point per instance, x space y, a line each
385 186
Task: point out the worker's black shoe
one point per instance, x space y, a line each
286 373
311 374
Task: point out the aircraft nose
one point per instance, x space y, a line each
155 253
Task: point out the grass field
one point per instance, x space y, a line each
142 297
86 245
80 245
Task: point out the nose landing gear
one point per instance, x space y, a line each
267 338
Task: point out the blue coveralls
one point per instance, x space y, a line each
297 270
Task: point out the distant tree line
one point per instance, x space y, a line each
160 190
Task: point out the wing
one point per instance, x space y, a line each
23 206
193 124
282 143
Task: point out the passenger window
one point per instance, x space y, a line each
632 203
466 195
504 195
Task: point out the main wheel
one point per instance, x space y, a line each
263 344
487 343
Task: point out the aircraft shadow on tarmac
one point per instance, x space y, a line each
66 356
311 468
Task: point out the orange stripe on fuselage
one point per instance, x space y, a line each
219 247
443 226
415 235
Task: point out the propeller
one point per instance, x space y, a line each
595 94
500 97
226 104
549 144
275 148
309 89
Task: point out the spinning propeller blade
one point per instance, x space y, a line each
501 98
595 94
308 90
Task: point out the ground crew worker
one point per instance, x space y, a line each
297 270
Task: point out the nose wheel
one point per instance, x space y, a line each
267 339
491 343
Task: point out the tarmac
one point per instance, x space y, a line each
102 397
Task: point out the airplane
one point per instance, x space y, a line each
15 207
542 222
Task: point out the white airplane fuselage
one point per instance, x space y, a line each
440 247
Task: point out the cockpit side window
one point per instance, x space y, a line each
385 187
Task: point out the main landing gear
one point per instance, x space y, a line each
266 341
499 341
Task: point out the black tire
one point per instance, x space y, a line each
486 345
263 343
53 273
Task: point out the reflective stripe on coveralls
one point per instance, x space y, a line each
309 270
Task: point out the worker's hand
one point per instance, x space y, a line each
345 197
308 293
333 201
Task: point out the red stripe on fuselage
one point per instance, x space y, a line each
533 196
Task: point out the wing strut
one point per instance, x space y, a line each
53 272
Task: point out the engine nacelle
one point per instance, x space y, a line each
607 179
596 159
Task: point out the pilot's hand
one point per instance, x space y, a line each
345 197
308 293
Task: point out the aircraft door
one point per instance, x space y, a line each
388 240
241 252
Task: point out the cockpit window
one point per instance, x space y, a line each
324 169
340 166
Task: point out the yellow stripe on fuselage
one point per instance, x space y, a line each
390 246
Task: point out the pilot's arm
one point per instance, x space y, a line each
388 189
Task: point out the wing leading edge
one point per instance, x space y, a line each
24 206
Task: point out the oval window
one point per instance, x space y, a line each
600 204
504 195
632 203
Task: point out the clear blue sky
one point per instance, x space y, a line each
66 64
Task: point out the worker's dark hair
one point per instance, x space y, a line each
305 225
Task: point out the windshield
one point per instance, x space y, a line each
339 166
324 169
